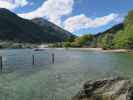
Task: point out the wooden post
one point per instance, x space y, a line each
33 60
53 58
1 64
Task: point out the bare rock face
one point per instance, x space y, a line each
106 89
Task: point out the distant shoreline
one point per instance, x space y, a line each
95 49
80 49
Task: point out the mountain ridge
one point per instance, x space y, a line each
17 29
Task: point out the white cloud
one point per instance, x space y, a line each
12 4
76 23
52 9
20 3
120 19
83 22
7 5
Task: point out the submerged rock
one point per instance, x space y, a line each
106 89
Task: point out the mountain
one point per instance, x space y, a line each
53 29
119 36
113 30
105 39
16 29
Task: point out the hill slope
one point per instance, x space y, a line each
53 29
112 30
14 28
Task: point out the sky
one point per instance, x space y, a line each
77 16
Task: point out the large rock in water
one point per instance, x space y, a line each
106 89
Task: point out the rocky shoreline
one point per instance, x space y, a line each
118 88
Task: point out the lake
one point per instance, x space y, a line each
21 80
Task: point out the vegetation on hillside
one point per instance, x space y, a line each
119 36
81 41
18 30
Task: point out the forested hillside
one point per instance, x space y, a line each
120 36
18 30
117 37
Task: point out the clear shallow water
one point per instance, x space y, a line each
59 81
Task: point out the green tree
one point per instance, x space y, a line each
67 44
75 44
120 40
106 41
124 39
84 39
71 38
129 18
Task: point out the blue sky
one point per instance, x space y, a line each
77 16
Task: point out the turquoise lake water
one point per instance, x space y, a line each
20 80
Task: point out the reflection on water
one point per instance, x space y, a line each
63 79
